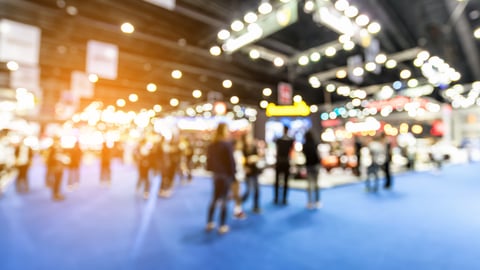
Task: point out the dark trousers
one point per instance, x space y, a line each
251 182
73 175
57 182
281 168
143 178
105 173
388 176
22 178
221 187
313 190
372 171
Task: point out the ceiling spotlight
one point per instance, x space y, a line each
358 71
391 64
250 17
330 51
362 20
151 87
237 25
370 66
223 34
127 28
331 88
196 93
351 11
215 51
133 97
476 33
341 74
93 78
315 56
381 58
177 74
227 83
309 6
120 102
263 104
314 82
349 45
12 65
423 55
374 28
297 98
265 8
254 54
341 5
418 62
234 100
313 108
267 92
278 62
157 108
412 83
303 60
405 74
174 102
344 38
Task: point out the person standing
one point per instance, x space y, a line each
105 162
388 160
312 162
252 171
74 166
143 156
284 145
57 162
221 163
358 154
23 154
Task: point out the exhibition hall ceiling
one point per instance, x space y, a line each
298 42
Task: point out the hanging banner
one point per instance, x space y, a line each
19 42
102 59
80 85
284 93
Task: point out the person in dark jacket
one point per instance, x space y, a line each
312 163
284 145
74 165
221 163
23 155
252 171
143 157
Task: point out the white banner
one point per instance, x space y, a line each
102 59
19 42
80 85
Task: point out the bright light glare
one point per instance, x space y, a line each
196 93
223 34
127 28
93 78
215 51
227 83
374 28
351 11
174 102
237 25
177 74
151 87
278 62
263 104
476 33
381 58
121 102
12 65
362 20
265 8
303 60
330 51
250 17
133 97
267 92
254 54
234 100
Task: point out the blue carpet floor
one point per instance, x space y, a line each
428 221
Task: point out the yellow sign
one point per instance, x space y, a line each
297 109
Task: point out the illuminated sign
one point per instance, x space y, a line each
297 109
370 124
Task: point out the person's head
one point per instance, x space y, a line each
309 135
221 133
285 129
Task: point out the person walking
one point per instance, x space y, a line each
23 155
388 159
221 163
312 163
142 156
284 145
